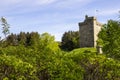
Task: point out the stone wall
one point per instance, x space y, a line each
89 30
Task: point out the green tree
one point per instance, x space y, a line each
12 39
109 36
48 42
21 38
34 39
5 27
26 39
70 40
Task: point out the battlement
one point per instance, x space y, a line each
90 18
87 19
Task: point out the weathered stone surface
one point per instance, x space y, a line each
89 30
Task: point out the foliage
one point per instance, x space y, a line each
30 56
43 62
5 27
20 62
70 40
13 68
43 66
110 39
48 42
33 56
26 39
96 67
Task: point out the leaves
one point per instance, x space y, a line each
96 67
5 27
43 60
109 37
13 68
70 40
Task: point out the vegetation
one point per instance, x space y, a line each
33 56
43 64
96 67
70 40
109 38
5 28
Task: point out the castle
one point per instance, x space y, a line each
89 30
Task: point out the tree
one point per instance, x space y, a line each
70 40
48 42
34 39
12 39
110 38
26 39
5 27
21 38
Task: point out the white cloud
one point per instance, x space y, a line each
108 12
72 3
43 2
25 2
13 7
22 5
9 2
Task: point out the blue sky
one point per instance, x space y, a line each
55 16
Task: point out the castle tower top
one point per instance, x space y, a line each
89 18
89 30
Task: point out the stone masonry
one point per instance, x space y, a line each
89 30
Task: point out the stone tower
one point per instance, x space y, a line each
89 30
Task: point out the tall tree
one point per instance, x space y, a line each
34 39
48 42
22 38
25 39
5 27
110 39
12 39
70 40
